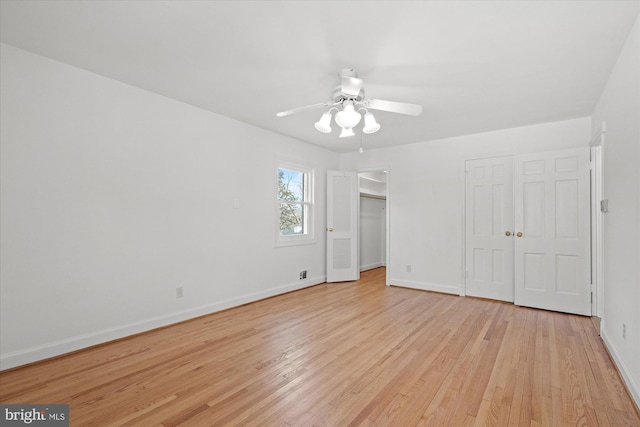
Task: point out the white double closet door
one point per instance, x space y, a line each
527 230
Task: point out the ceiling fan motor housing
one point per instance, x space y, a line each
348 72
339 97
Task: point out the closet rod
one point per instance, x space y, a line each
371 196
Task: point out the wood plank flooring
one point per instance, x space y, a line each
343 354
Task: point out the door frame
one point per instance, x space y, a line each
596 147
387 219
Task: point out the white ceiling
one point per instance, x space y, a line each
474 66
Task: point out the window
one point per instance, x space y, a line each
295 204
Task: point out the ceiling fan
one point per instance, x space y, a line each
349 102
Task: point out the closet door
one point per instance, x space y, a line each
552 225
489 228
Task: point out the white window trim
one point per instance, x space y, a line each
304 239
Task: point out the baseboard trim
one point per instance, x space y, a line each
625 373
370 266
423 286
58 348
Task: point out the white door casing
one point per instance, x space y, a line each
489 228
342 226
597 223
552 253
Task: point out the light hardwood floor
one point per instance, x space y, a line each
343 354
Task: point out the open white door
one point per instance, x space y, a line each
342 226
489 228
552 225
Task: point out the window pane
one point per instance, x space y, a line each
294 205
291 219
290 185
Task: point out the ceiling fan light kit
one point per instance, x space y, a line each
349 102
346 132
324 124
370 124
348 117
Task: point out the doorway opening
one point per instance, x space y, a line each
374 218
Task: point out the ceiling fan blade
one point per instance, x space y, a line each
308 107
351 85
393 107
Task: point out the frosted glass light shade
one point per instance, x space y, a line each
346 132
348 117
370 124
324 124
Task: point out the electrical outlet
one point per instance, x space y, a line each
179 292
303 274
624 331
407 268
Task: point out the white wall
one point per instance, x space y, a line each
113 196
426 186
619 107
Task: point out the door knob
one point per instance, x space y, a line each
330 229
519 234
507 233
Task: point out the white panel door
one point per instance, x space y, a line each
489 228
552 225
342 226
